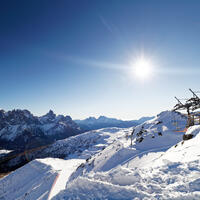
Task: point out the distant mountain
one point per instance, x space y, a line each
19 129
93 123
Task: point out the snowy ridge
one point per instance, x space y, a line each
84 145
102 165
160 131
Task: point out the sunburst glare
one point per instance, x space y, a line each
142 68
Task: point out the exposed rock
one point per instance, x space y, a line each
187 137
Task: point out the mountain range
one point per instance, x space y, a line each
21 133
93 123
19 129
161 163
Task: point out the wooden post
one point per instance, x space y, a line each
132 136
193 120
189 121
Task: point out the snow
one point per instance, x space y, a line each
39 179
4 132
66 168
32 181
171 174
193 130
47 127
5 151
101 164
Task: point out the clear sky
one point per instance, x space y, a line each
76 57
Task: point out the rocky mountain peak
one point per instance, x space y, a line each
14 125
51 114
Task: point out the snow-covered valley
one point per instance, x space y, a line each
102 164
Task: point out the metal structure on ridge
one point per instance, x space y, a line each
190 106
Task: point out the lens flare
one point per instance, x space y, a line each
142 68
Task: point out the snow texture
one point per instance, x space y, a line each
102 164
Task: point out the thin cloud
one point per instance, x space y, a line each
93 63
108 26
99 64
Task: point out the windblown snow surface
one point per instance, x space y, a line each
104 166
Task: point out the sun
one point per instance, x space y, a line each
142 68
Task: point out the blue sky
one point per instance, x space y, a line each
74 56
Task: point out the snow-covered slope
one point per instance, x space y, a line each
159 132
77 149
174 174
160 166
35 180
